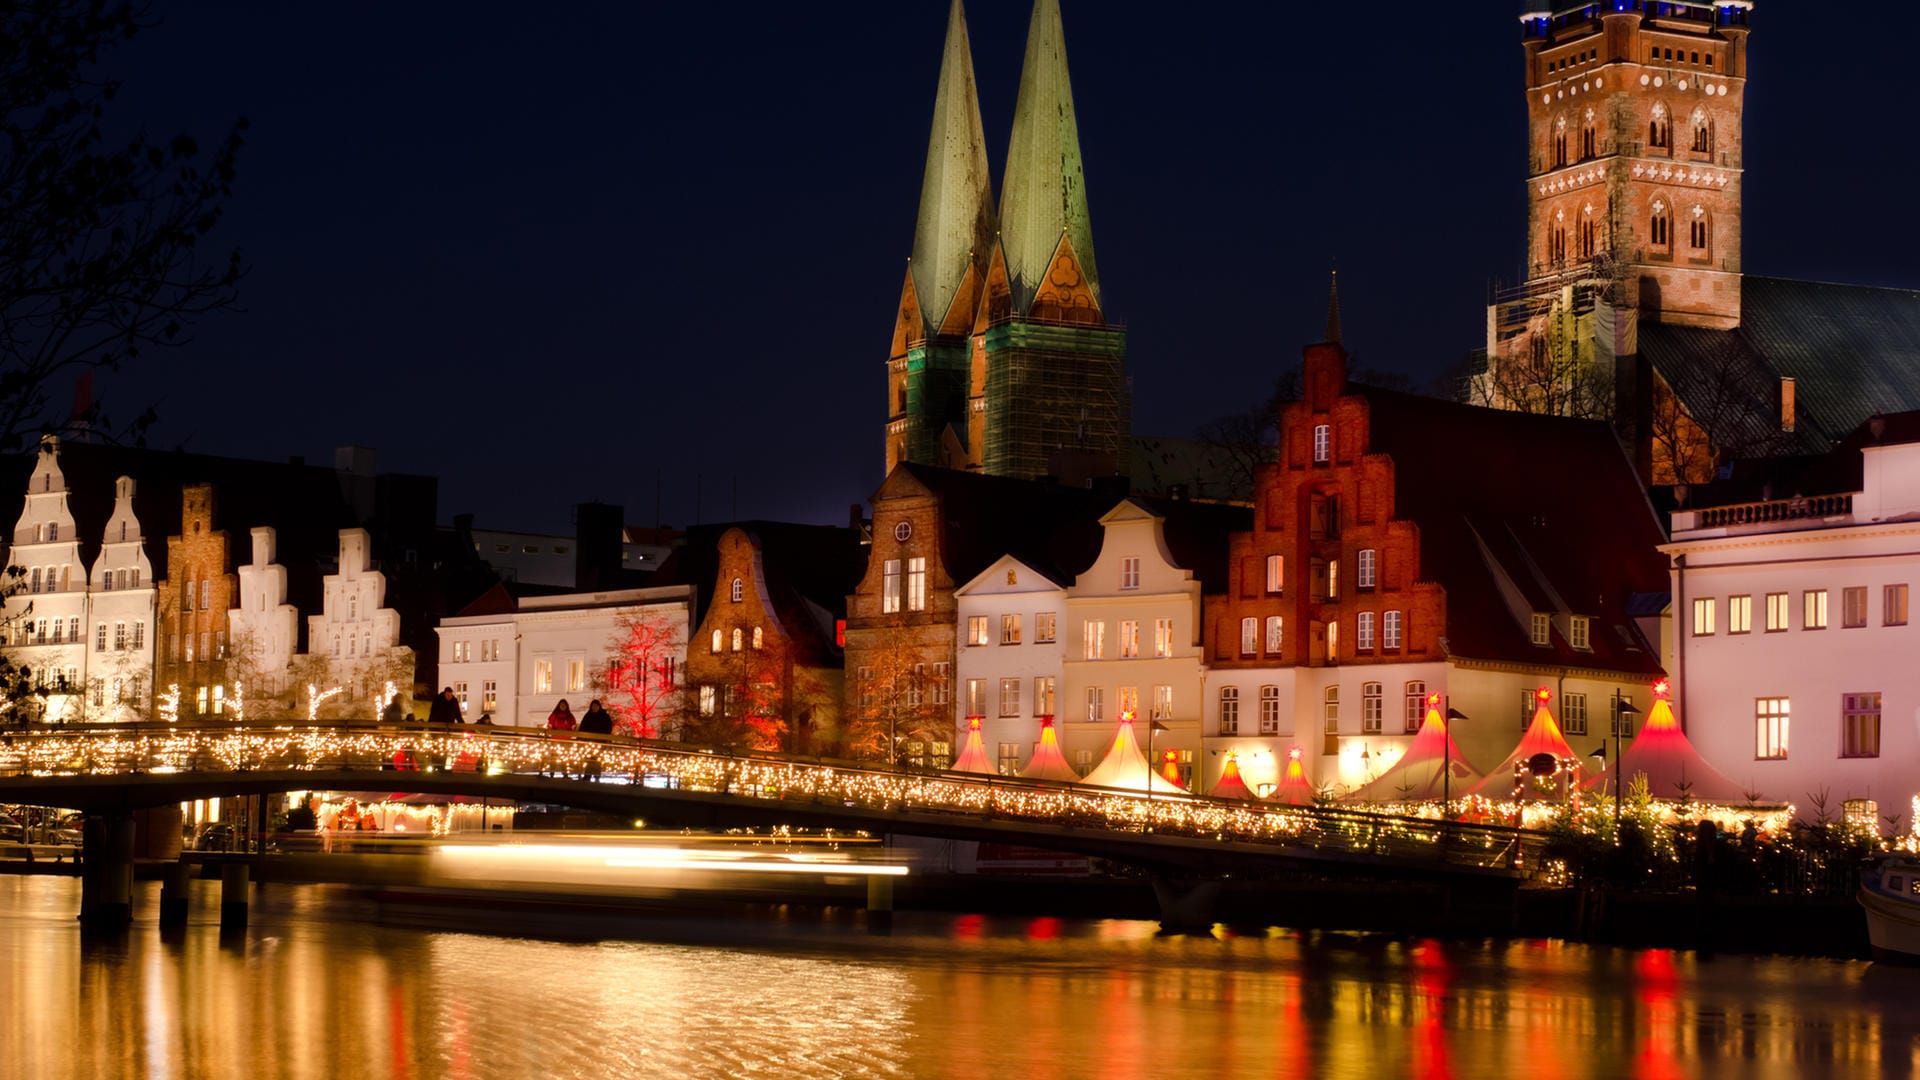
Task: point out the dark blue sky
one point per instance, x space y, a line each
554 253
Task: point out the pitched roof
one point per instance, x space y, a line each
1045 193
1054 529
1852 351
955 228
1541 512
809 571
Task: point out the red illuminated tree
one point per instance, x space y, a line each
642 683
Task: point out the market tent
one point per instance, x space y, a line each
1048 762
1293 789
1126 767
1542 737
1231 784
973 753
1421 772
1673 768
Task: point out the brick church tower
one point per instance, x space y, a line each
1633 186
1003 361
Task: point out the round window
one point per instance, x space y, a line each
902 531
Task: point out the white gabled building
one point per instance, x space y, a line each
1794 640
516 659
47 610
1010 655
358 638
263 627
121 608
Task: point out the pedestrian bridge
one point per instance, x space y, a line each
115 769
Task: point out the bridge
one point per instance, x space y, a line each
110 771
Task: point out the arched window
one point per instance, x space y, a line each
739 590
1559 141
1589 140
1229 710
1659 130
1702 132
1588 232
757 637
1557 239
737 641
353 607
718 638
1660 228
1697 230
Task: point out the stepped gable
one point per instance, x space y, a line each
1536 509
809 571
1054 529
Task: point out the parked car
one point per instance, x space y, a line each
217 837
68 831
11 831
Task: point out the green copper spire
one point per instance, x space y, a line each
955 227
1045 194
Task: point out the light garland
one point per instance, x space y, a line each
317 697
237 704
170 704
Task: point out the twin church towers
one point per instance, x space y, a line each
1003 360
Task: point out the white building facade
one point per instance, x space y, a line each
1133 647
1794 643
1009 658
120 594
357 637
263 627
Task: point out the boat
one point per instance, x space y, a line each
1890 892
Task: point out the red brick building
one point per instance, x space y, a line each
193 601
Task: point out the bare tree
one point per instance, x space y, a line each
1723 408
897 703
100 243
1551 371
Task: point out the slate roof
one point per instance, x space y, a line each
1054 529
1852 351
1545 507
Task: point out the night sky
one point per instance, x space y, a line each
564 252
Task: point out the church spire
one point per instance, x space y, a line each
1333 309
1044 197
955 227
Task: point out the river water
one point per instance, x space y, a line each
317 988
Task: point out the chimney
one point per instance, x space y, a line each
599 535
1786 403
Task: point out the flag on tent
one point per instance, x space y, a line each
1666 757
1542 737
1126 767
973 753
1048 762
1293 789
1231 784
1421 772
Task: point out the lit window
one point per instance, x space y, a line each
1322 443
1363 632
1739 614
1276 573
1009 697
1094 636
1814 609
738 640
1275 625
1703 607
1541 628
1009 759
489 695
917 584
1893 606
1366 572
1229 710
543 674
1163 637
1130 572
1528 704
976 630
1042 694
1043 627
719 640
976 697
707 701
1249 636
1129 639
1333 579
1860 725
1390 636
1330 720
1770 716
576 675
890 587
1269 710
1333 642
1577 633
1009 629
1776 612
1416 705
1130 701
759 638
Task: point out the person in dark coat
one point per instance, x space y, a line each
446 708
596 720
394 713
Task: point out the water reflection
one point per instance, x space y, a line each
317 989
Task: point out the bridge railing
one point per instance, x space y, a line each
108 750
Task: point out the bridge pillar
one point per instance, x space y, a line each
879 905
106 872
1186 905
173 894
233 896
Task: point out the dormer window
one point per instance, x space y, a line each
1130 572
1542 628
1578 633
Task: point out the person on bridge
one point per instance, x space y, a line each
596 720
445 709
561 718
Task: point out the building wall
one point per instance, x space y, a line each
1101 601
1010 588
47 615
265 627
575 637
920 631
479 659
121 598
193 602
776 682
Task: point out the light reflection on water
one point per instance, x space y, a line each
315 990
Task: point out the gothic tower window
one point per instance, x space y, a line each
1557 239
1659 130
1697 230
1589 141
1702 133
1660 229
1559 142
1587 232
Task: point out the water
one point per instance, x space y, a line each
316 990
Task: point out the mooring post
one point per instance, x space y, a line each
233 896
879 904
173 893
106 872
1186 905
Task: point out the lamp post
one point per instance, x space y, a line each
1446 783
1154 727
1623 714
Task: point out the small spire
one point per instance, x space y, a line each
1333 309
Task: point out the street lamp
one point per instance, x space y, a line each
1154 727
1446 781
1623 714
